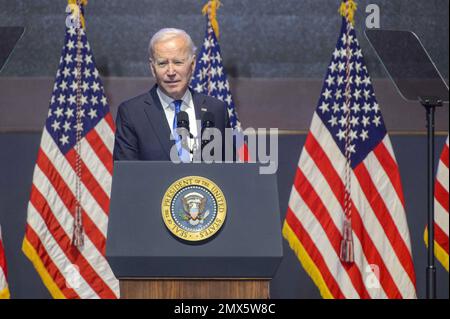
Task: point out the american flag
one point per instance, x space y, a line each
441 210
4 290
210 78
349 151
68 270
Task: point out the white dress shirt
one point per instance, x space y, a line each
187 106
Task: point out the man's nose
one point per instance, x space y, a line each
171 70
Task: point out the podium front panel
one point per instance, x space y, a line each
139 245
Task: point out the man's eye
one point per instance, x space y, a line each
161 64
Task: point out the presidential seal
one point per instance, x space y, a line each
194 208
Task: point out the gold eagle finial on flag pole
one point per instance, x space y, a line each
75 6
348 10
210 9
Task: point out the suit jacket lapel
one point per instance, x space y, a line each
158 120
199 106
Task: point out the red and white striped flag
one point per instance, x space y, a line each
4 290
441 210
346 217
69 203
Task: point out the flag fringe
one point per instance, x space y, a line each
33 256
306 261
4 294
439 252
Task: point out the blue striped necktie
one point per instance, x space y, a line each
177 105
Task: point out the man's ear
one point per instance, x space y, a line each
194 61
152 68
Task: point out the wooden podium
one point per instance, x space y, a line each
150 262
194 289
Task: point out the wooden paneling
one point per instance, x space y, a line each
194 289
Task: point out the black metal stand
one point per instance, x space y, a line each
417 79
430 104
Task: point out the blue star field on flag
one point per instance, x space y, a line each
367 126
62 116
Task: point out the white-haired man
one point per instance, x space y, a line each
146 122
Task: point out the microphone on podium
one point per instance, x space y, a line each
184 134
208 122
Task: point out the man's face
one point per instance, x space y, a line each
172 66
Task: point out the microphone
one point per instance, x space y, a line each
183 120
183 123
183 131
207 123
207 120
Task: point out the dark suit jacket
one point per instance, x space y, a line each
142 129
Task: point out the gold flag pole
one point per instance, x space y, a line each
78 233
347 10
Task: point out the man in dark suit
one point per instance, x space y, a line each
145 123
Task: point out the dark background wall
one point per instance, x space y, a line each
276 52
263 38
